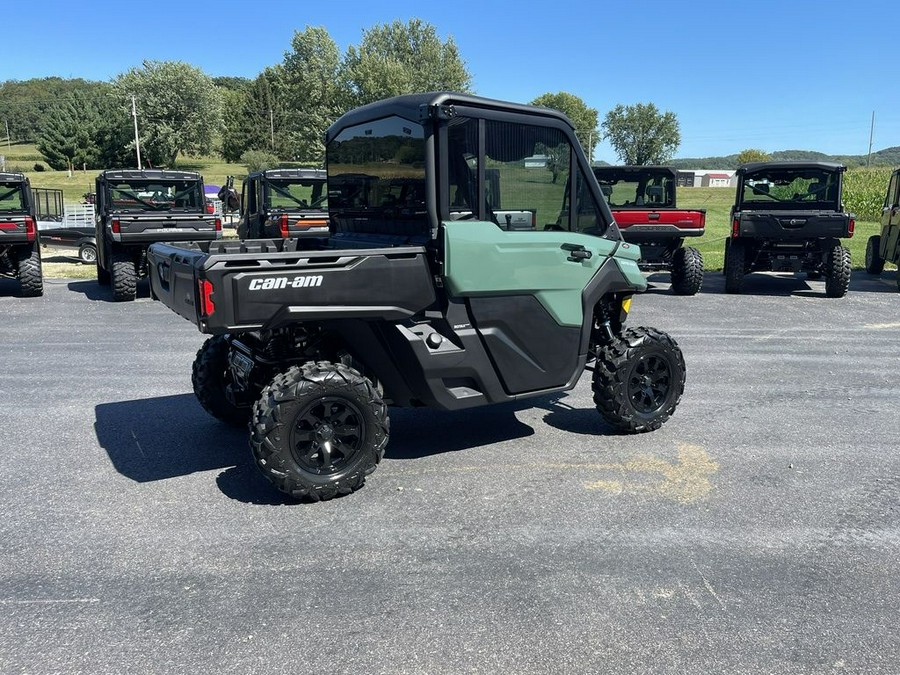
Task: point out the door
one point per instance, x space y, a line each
523 288
890 220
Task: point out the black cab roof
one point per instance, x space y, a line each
753 167
419 107
290 173
149 174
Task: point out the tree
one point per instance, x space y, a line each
68 138
752 155
312 93
87 127
583 117
641 134
25 104
178 107
251 117
402 58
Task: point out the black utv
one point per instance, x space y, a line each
789 217
136 208
423 294
20 255
885 247
281 203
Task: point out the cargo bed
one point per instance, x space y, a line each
233 286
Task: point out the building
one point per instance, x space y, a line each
716 180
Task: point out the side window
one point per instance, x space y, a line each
891 198
526 173
251 197
462 166
586 220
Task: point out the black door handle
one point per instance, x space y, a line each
577 252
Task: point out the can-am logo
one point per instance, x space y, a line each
275 283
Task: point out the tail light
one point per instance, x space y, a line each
8 226
851 228
207 306
30 231
284 225
116 227
735 227
218 224
210 208
534 220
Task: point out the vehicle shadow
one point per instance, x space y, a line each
94 291
422 432
777 284
158 438
170 436
10 288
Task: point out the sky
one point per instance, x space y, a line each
767 74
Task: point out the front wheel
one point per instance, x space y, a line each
31 275
638 380
318 430
874 261
837 272
735 265
123 277
687 271
210 376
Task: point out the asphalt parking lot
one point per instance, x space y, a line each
756 532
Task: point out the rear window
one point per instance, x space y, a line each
155 195
12 197
636 188
296 193
791 188
376 178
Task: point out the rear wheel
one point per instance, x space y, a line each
210 376
874 261
638 380
687 271
318 430
837 272
123 277
735 265
87 253
31 277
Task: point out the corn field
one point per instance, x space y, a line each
864 191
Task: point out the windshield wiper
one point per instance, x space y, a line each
126 193
285 193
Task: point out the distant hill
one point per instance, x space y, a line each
886 157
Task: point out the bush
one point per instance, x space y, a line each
258 160
38 166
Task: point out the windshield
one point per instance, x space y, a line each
791 188
156 195
636 188
297 193
12 198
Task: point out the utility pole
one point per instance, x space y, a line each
871 135
137 140
8 142
272 127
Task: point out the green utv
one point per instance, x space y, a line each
423 294
885 247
